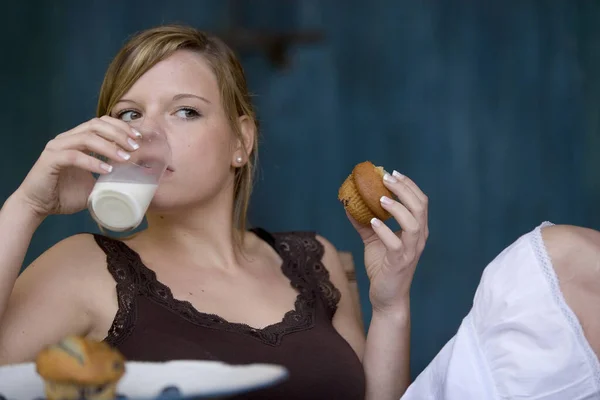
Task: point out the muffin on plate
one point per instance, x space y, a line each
78 368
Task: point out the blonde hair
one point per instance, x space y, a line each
147 48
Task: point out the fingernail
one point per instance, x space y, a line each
389 178
375 222
133 144
397 174
136 133
106 167
386 200
123 155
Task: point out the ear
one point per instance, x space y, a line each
245 144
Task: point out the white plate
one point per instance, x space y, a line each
145 380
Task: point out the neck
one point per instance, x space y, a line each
203 233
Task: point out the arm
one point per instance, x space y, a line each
17 225
40 307
385 352
575 255
51 298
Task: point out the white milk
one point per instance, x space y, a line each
120 206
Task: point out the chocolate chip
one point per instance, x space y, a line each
97 389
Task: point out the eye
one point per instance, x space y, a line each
128 115
187 113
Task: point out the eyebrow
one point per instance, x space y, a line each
175 98
188 95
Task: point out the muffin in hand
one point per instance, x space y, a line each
78 368
361 193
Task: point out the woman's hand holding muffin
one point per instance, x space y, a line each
390 257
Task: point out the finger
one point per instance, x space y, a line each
124 126
96 128
111 131
123 136
411 229
412 185
422 196
393 244
75 158
90 143
405 195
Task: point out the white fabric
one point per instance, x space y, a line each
519 341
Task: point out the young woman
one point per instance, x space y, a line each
196 284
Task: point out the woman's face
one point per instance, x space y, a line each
180 97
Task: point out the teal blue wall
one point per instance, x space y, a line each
492 107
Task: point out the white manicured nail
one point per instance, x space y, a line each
133 144
375 222
136 133
397 174
386 200
389 178
106 167
123 155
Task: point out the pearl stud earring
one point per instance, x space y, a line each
239 159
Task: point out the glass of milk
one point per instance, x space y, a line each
119 200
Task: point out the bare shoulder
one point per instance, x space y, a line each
60 291
74 267
575 255
572 247
331 257
74 254
571 232
334 265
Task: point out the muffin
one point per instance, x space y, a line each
78 368
361 193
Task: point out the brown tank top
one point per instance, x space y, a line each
151 325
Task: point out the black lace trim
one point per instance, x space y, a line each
121 262
302 264
329 294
